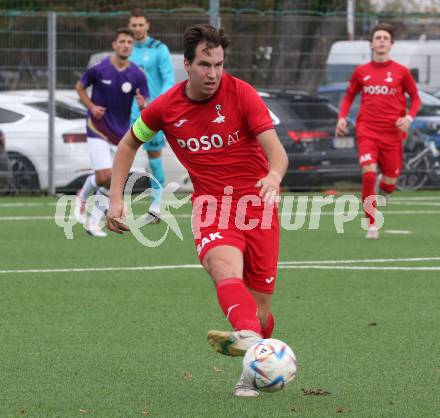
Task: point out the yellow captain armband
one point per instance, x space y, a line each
142 131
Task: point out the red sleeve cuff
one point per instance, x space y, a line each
262 129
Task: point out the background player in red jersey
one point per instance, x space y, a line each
222 132
383 121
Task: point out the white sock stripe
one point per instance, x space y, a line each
88 188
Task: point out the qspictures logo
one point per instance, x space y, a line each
295 212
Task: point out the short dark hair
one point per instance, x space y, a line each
124 31
138 12
202 33
385 27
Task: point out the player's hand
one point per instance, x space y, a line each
404 123
269 187
115 217
140 100
98 112
341 127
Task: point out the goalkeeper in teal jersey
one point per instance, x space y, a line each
154 58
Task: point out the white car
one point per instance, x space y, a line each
24 122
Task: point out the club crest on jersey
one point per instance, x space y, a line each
220 118
389 79
126 87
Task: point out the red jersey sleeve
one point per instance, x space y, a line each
152 115
149 122
255 110
353 89
410 87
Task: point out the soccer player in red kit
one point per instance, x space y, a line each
383 120
221 131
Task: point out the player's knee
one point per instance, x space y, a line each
369 168
389 180
220 268
103 179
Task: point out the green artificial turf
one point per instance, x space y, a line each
132 343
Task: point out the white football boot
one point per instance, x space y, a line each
245 389
152 217
94 229
372 232
232 343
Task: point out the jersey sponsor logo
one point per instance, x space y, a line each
206 143
108 82
389 79
381 90
220 118
365 157
126 87
180 123
213 236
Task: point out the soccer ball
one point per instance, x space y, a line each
269 365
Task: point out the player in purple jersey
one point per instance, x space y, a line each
115 83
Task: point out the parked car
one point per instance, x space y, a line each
305 125
5 167
24 121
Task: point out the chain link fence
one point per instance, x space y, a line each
276 51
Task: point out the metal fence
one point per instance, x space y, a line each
271 51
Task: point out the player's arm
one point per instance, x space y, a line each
353 89
97 111
166 69
124 158
410 87
142 93
278 163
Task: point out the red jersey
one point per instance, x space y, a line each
383 86
215 139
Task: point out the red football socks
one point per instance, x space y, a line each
268 326
238 305
369 189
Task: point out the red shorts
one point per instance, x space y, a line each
254 230
387 153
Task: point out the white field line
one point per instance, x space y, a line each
187 215
317 267
392 201
281 265
413 203
361 261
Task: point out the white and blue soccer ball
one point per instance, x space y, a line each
269 365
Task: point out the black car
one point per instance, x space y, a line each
305 125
